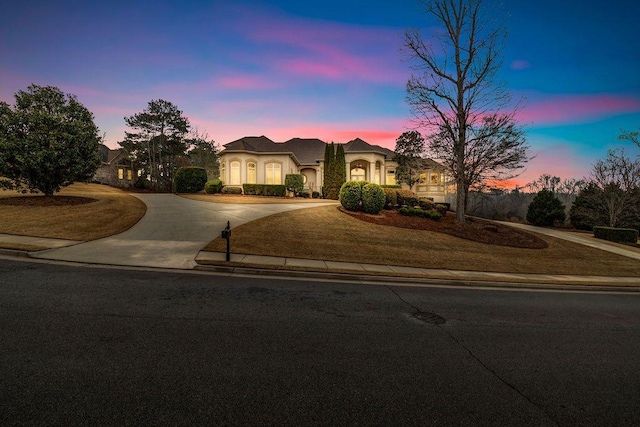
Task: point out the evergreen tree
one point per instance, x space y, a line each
340 167
545 209
329 172
48 140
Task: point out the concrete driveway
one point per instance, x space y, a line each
171 233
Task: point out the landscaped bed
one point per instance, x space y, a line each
79 212
327 233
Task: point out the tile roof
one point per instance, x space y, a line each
256 144
307 150
359 146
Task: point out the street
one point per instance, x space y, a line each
84 345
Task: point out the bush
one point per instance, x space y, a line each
421 213
212 187
618 235
407 198
315 194
442 208
231 190
391 186
373 198
351 195
391 197
545 209
294 182
264 190
142 184
426 204
189 179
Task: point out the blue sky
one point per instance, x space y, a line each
332 69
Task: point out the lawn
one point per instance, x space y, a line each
329 234
79 212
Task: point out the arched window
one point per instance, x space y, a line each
273 173
251 173
358 174
234 169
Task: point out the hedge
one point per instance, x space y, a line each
231 190
618 235
212 187
373 198
396 186
189 180
436 216
264 190
407 197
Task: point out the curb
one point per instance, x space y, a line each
409 281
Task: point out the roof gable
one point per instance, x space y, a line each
256 144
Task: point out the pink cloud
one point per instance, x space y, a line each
244 82
520 64
311 48
577 108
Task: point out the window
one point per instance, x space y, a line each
358 174
273 174
304 179
120 173
423 178
251 173
234 176
377 178
129 174
391 177
433 180
223 176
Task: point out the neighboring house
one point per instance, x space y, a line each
259 160
116 169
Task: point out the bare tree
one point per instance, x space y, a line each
455 97
633 136
618 178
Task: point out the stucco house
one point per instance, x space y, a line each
259 160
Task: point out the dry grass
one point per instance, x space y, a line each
249 200
112 212
326 233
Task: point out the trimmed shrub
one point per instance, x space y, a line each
442 208
426 204
189 179
212 187
351 195
274 190
373 198
391 186
407 198
545 209
618 235
421 213
231 190
294 182
391 197
315 194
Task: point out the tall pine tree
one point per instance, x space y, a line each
329 172
340 167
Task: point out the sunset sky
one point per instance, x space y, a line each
332 70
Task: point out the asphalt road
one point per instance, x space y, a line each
91 346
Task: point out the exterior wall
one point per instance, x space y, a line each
287 166
110 174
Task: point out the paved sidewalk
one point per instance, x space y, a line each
271 262
564 235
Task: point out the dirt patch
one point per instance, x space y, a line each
474 229
41 201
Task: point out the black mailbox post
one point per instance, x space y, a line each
226 234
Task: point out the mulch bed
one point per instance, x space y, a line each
474 229
41 201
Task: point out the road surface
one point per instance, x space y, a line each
84 345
